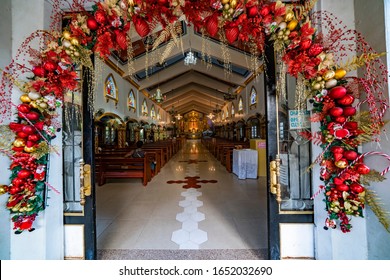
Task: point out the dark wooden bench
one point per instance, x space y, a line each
115 167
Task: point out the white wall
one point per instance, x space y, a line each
5 59
374 31
46 241
124 88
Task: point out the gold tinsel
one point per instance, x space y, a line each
359 61
130 55
42 150
373 176
373 201
7 138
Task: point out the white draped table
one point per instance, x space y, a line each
245 163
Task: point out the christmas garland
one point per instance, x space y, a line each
308 55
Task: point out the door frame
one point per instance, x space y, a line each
275 217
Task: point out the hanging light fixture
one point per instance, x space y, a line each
158 97
178 117
210 115
190 58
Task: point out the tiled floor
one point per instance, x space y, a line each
227 215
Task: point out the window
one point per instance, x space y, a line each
110 89
144 108
240 106
153 113
253 98
131 101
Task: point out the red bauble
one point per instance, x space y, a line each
336 111
24 108
338 181
315 49
14 190
340 119
342 187
252 11
337 150
17 182
305 44
337 92
32 116
16 126
232 33
141 26
28 129
29 144
92 23
362 169
22 134
24 173
350 155
357 188
212 25
341 133
346 100
349 111
34 137
50 66
39 71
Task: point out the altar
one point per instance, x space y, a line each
245 163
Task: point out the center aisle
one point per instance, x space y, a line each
215 215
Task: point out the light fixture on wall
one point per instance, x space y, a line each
178 117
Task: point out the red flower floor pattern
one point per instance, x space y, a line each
191 182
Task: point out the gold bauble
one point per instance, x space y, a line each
329 75
292 25
233 3
3 189
29 149
226 6
289 16
66 35
340 73
341 164
225 1
74 42
34 104
19 142
25 99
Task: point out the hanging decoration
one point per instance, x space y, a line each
319 59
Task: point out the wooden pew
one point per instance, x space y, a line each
114 167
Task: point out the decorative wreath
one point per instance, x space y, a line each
315 59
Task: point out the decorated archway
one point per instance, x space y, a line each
318 61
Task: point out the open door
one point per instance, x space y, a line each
79 193
290 208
